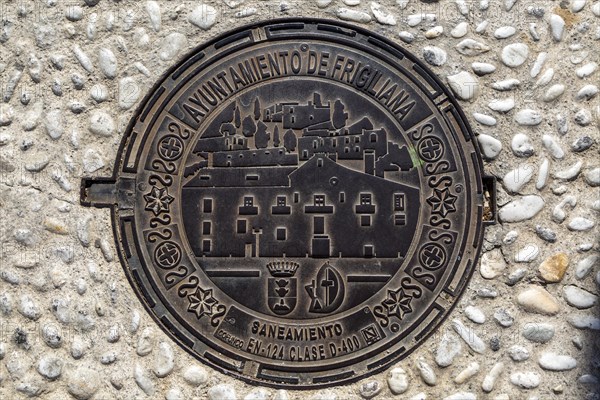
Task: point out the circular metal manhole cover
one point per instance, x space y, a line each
298 203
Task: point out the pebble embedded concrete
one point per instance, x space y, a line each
527 79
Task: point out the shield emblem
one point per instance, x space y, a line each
282 295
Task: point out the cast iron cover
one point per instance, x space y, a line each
298 203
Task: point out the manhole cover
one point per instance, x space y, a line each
298 203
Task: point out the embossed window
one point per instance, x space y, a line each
281 233
281 201
365 199
319 200
398 202
248 201
241 226
207 206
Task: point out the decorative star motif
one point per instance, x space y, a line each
158 200
442 202
397 303
202 302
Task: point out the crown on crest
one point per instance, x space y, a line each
282 268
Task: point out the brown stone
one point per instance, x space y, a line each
537 300
553 268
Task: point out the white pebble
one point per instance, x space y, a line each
92 161
586 70
508 84
415 19
580 224
101 124
222 392
492 264
514 180
143 380
583 117
545 78
397 380
172 46
54 124
347 14
490 146
83 59
153 10
434 55
484 119
490 379
556 362
459 30
28 308
579 298
470 47
434 32
515 54
553 147
569 173
195 375
592 177
469 337
504 32
544 171
554 92
559 214
464 85
502 106
50 367
518 353
521 145
448 348
538 64
99 93
427 373
525 380
165 360
471 370
577 5
461 396
587 92
521 209
483 68
381 15
557 27
406 37
129 93
527 254
203 16
475 314
584 322
528 117
107 62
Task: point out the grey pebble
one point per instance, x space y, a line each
546 234
143 380
503 317
495 343
108 358
582 144
448 348
518 353
538 332
52 336
50 367
584 267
